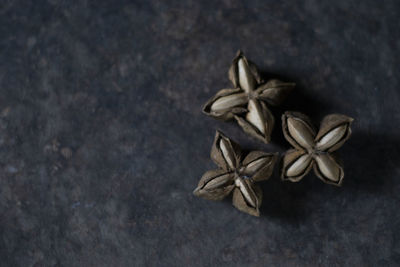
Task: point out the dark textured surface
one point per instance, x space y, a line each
102 139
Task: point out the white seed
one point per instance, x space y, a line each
229 101
217 182
246 191
254 116
227 153
246 79
255 165
331 138
300 132
328 167
299 165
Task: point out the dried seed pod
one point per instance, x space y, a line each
225 109
236 174
259 165
228 102
331 138
247 103
274 92
247 198
234 70
224 152
215 185
314 149
328 169
296 165
298 130
334 131
258 123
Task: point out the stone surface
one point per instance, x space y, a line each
102 139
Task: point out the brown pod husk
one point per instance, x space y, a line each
301 118
228 113
332 122
266 119
214 193
289 159
233 70
247 102
236 172
259 165
274 92
217 154
238 200
339 179
314 150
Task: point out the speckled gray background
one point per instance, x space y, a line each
102 139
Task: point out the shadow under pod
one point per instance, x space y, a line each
370 163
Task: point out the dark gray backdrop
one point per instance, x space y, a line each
102 139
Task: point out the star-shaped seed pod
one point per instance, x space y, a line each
247 102
314 149
237 174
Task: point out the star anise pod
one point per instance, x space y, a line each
314 149
237 174
247 102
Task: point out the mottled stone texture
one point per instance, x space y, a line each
102 139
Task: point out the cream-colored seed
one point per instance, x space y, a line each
255 165
331 138
229 101
247 192
246 79
328 167
254 116
217 182
300 132
299 165
226 149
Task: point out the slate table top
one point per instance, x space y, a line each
102 139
